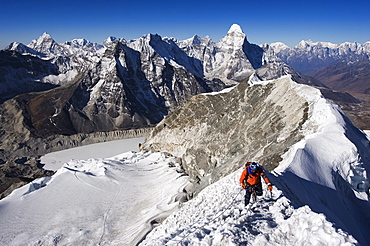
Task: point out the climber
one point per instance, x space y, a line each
251 178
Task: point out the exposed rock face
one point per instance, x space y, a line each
18 139
215 134
19 74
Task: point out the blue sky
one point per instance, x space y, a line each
262 21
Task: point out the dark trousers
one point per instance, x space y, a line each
248 192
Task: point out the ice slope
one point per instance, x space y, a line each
113 201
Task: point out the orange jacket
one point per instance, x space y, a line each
253 178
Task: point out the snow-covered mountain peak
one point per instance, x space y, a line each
109 40
308 56
44 38
327 45
45 35
141 44
80 41
19 47
235 28
146 41
46 46
304 44
278 46
196 39
234 39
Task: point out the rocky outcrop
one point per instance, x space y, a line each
215 134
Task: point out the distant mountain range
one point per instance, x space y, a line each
309 56
49 91
82 87
341 67
125 84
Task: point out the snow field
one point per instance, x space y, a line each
55 160
93 202
217 216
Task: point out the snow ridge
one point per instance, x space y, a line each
217 216
325 172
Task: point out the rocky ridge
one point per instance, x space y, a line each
214 134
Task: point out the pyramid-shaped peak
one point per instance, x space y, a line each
235 28
46 35
44 38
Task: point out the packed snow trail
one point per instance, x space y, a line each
208 219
